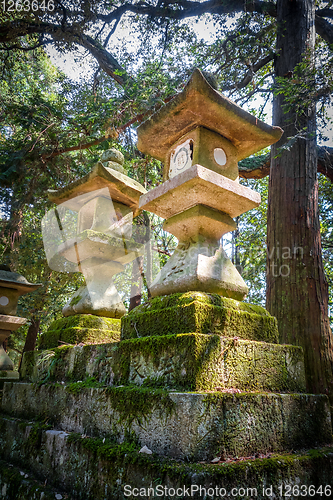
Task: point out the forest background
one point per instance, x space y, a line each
53 129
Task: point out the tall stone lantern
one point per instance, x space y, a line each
12 286
200 135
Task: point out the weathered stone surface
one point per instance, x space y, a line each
200 104
199 185
8 376
199 146
90 469
112 155
201 313
200 264
180 425
200 362
99 296
121 188
92 244
199 220
82 328
188 361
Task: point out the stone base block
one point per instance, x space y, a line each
193 426
207 362
202 313
8 376
81 328
184 361
88 468
199 264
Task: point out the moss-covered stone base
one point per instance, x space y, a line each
187 361
178 424
98 469
81 328
202 313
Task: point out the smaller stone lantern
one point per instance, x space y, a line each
105 200
12 286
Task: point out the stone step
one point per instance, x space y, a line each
18 483
193 426
186 361
8 376
92 468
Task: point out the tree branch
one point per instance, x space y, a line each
78 147
324 29
325 13
15 29
249 75
178 10
259 167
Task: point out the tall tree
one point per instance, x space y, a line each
297 291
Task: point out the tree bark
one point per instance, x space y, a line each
259 167
30 341
136 287
297 291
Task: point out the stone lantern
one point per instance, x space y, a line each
12 286
106 200
200 135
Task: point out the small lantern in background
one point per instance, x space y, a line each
12 286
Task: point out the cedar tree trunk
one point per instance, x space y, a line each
297 292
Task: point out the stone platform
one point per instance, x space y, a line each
85 468
81 413
191 426
189 361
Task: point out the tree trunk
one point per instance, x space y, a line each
297 291
30 341
136 287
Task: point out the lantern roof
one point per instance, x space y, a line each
199 104
16 281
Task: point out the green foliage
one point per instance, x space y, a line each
326 216
248 243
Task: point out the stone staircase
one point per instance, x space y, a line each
96 421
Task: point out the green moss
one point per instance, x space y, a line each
134 403
16 486
77 387
201 313
198 353
35 435
81 328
